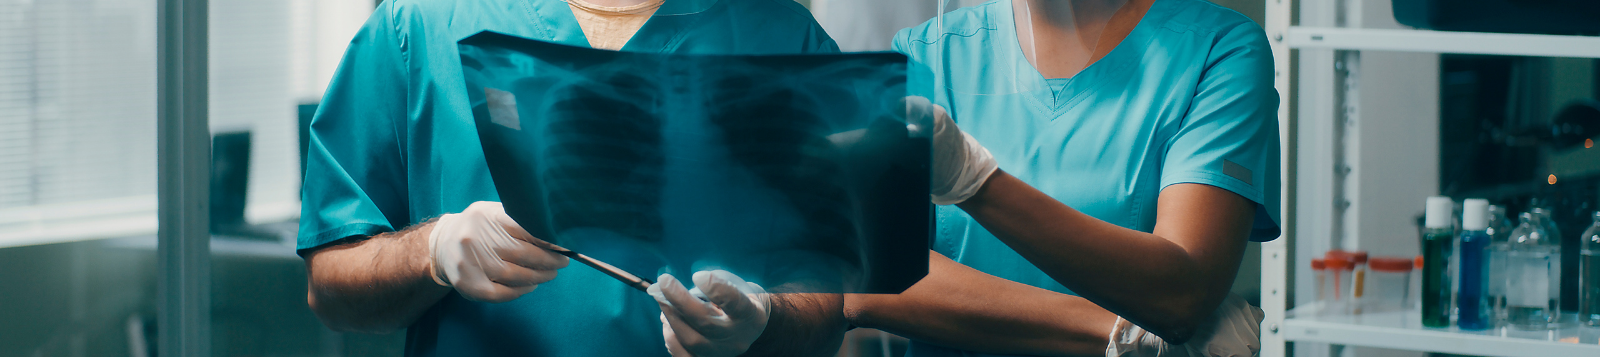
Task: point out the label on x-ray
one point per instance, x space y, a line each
502 108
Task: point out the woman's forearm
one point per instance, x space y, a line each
959 307
1167 281
381 284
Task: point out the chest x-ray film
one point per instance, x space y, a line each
793 171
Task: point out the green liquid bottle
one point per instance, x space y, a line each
1437 242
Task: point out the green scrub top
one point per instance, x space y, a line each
393 144
1187 97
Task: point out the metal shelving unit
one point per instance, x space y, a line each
1334 50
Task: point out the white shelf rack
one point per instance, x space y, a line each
1402 330
1336 77
1443 42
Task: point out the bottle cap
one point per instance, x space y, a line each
1358 257
1319 263
1475 214
1391 264
1417 264
1438 212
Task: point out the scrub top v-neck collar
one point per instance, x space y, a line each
657 34
1115 63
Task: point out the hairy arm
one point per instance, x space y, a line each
380 284
960 307
802 324
1167 281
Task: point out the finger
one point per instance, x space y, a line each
690 340
722 289
485 291
673 346
513 275
497 213
674 295
532 257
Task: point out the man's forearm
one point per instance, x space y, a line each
381 284
959 307
802 324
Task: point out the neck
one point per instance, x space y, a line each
616 3
1063 13
1071 34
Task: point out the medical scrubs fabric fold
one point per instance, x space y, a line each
393 144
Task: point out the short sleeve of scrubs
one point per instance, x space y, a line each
355 182
1229 138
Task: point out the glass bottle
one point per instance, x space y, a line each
1589 275
1437 243
1475 313
1548 219
1499 243
1532 280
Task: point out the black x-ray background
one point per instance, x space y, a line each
793 171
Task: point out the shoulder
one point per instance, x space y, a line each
782 10
772 14
780 19
964 23
413 15
1225 31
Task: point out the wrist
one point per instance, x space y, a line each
420 242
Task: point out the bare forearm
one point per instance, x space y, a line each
960 307
802 324
1149 279
380 284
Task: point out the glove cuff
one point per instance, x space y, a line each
433 252
979 166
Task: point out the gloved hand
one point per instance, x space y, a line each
1234 330
720 317
486 256
960 164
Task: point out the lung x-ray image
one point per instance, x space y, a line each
796 172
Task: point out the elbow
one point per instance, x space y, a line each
858 310
342 319
1177 322
1175 333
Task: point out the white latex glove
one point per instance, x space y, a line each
1234 330
960 164
486 256
721 317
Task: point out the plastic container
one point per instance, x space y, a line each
1358 280
1319 268
1416 285
1339 279
1346 277
1438 240
1474 313
1389 285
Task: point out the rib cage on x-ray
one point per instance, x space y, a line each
779 168
605 158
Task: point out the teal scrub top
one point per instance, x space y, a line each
1187 97
393 144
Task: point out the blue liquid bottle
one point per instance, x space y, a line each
1472 299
